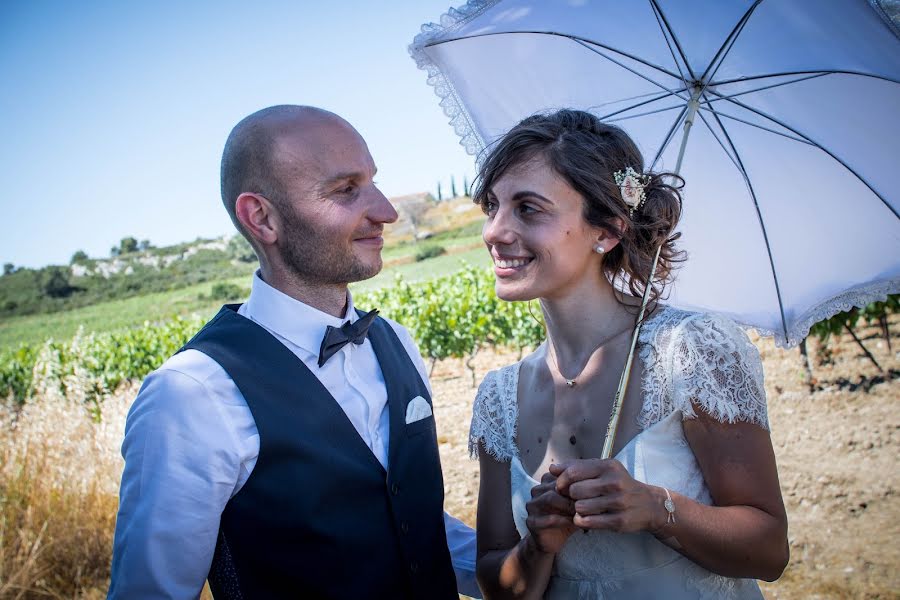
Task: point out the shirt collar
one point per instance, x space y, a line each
291 319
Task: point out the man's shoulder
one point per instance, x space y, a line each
190 364
189 388
190 374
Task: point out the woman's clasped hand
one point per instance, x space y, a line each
606 496
592 494
550 515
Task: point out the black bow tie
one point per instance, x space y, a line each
338 337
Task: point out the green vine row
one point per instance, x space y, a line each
449 317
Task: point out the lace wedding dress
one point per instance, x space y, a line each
689 360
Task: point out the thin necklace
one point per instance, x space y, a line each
572 382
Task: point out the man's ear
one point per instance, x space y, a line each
257 216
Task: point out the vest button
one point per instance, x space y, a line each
404 527
395 489
414 567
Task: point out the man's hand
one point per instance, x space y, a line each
607 497
549 516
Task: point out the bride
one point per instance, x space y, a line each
690 506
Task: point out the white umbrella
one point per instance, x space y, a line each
792 202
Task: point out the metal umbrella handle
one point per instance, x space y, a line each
613 425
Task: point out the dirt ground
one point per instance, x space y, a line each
837 450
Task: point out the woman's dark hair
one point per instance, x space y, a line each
586 153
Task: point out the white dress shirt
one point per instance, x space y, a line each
191 443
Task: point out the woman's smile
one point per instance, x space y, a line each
506 266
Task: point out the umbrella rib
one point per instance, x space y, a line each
815 72
758 126
558 34
668 43
624 66
657 96
721 143
719 58
665 21
669 136
632 107
765 87
740 164
814 143
645 114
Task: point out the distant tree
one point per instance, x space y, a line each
144 245
114 251
466 186
9 269
55 282
440 195
453 193
80 256
128 245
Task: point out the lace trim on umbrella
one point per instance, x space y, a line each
857 297
892 25
452 106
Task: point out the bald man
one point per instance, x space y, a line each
289 449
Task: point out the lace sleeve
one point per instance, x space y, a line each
715 367
493 417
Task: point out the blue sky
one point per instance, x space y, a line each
114 114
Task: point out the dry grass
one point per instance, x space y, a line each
59 476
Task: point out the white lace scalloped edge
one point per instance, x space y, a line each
450 103
855 298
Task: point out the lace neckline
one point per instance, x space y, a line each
690 361
512 402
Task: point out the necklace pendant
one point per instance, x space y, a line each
570 383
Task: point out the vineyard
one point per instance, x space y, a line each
453 316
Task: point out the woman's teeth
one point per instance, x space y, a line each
510 264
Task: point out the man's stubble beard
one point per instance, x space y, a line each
312 258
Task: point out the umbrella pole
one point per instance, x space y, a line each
613 425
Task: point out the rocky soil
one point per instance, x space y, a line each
836 442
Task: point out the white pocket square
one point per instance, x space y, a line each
417 409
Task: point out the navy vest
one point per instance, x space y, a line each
319 517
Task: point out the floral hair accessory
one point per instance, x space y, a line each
631 185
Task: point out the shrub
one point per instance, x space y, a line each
429 252
228 291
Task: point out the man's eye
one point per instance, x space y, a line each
489 207
527 209
349 189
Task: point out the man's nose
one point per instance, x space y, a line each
499 229
382 210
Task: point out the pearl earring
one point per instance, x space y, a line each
599 249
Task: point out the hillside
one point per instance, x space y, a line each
197 277
137 269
